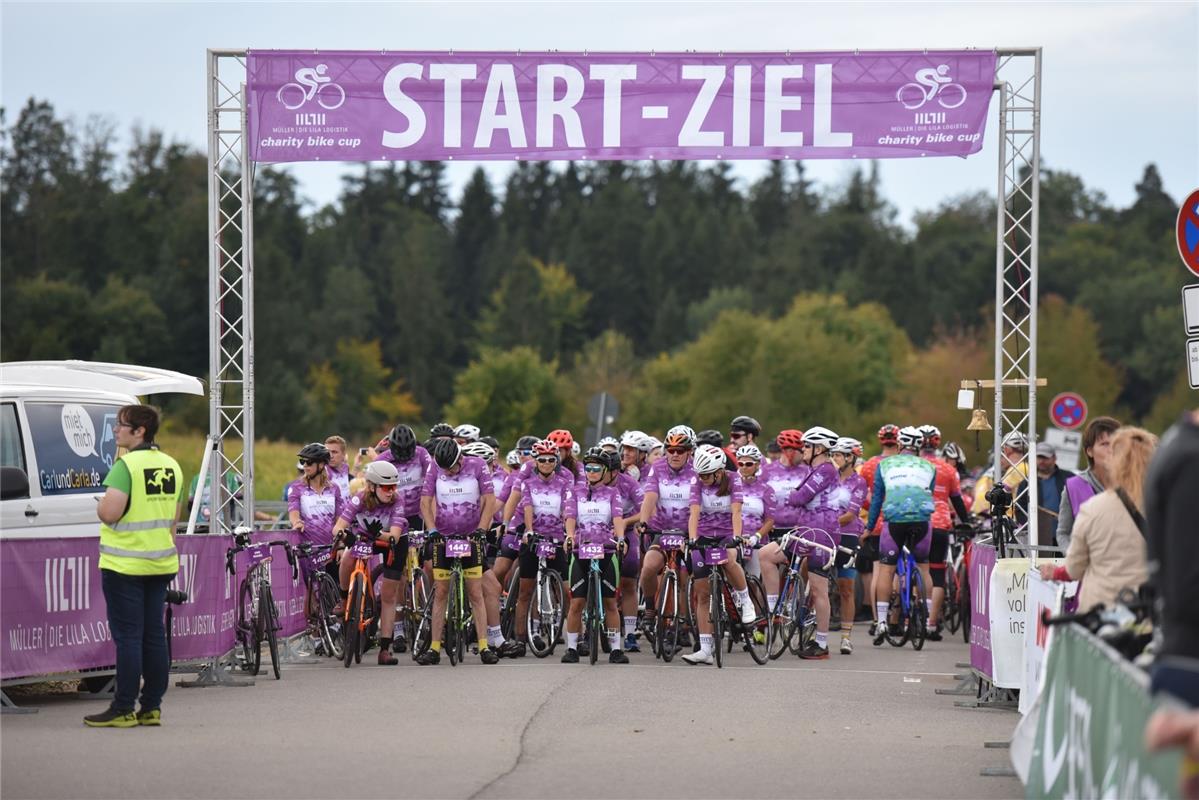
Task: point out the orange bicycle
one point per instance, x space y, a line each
361 605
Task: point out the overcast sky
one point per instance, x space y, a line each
1120 82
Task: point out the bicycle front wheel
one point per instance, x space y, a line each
453 612
508 608
595 616
964 601
780 622
666 624
897 635
420 615
755 635
270 625
918 614
353 633
326 594
949 608
247 627
716 612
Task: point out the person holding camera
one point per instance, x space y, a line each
138 514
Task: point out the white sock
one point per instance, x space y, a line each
705 643
928 604
614 639
822 638
572 641
494 637
880 611
536 627
771 599
630 625
742 597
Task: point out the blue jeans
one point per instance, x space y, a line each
136 604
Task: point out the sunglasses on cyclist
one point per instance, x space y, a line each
677 451
547 460
306 463
594 468
387 488
747 463
738 435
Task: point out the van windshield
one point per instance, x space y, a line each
74 445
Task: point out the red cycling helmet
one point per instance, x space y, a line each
888 435
545 447
561 438
790 438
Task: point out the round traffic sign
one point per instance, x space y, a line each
1186 231
1068 410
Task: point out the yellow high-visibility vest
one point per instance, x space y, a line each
143 541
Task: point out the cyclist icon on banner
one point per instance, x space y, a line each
931 83
312 83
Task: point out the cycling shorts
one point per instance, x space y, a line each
867 554
577 577
897 535
510 544
472 567
845 563
938 550
630 565
394 558
654 537
528 563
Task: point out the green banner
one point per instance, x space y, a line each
1090 738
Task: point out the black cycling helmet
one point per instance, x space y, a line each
772 447
714 438
526 442
314 452
491 442
401 442
612 461
441 429
745 424
446 452
595 455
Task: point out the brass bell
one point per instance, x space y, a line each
978 423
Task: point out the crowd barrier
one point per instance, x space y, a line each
1087 728
53 618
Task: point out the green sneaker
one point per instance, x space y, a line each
151 717
111 718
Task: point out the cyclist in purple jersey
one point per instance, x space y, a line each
848 498
812 499
715 512
600 518
631 498
375 512
666 507
634 450
757 504
784 476
457 502
567 447
313 502
548 506
412 463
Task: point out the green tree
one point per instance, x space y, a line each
509 393
536 303
355 393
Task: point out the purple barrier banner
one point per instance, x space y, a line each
53 617
982 563
372 106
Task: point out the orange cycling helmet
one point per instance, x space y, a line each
790 439
561 438
888 434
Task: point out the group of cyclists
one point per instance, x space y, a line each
815 494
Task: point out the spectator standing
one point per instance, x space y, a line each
1097 444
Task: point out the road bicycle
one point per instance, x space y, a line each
415 610
257 616
722 608
459 624
907 605
323 596
361 616
792 623
957 610
673 608
549 597
593 608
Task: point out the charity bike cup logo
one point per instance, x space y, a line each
312 84
931 84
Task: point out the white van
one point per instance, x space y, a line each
57 443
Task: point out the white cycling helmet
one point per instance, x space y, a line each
680 436
910 438
479 450
575 449
750 451
820 437
608 441
707 459
844 445
468 432
637 440
1016 441
513 458
381 473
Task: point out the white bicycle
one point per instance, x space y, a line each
914 95
329 96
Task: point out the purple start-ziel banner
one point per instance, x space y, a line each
371 106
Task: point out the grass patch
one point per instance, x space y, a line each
274 462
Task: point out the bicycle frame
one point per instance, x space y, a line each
669 620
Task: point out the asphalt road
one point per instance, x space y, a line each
866 725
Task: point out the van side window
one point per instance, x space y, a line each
11 452
74 445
